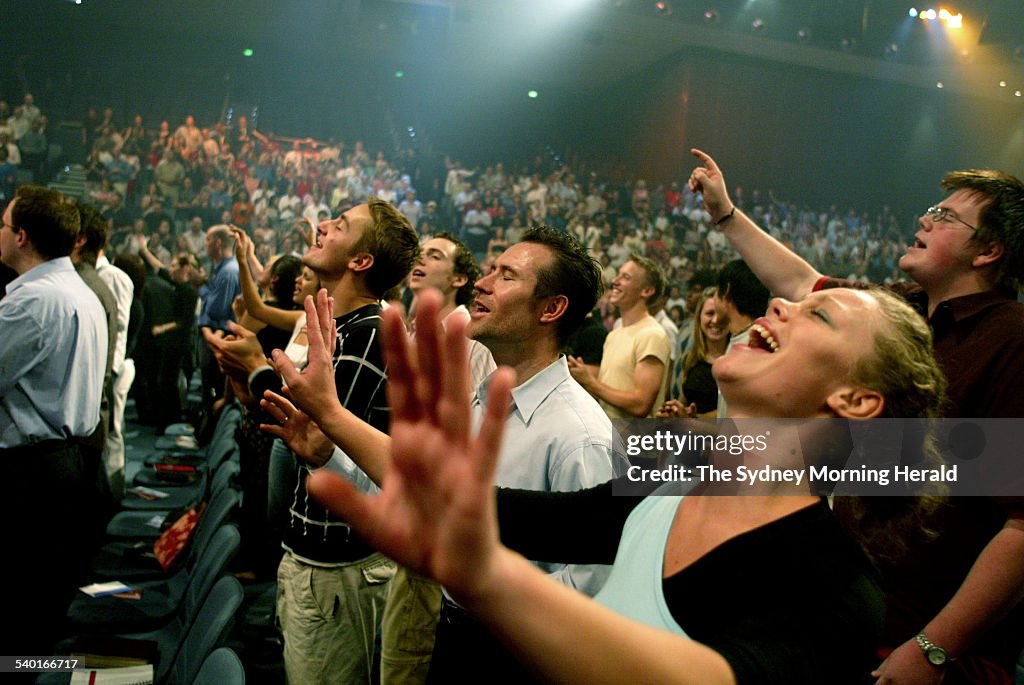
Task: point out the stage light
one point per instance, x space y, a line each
399 74
711 16
1002 84
1017 93
757 24
663 8
532 94
956 21
944 14
913 12
803 35
928 14
939 85
247 52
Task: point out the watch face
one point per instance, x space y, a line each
936 656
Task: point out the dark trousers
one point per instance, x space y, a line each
49 505
466 652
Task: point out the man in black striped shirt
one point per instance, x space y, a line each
332 585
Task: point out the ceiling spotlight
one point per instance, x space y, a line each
1017 93
663 8
1002 84
939 85
711 16
803 35
757 24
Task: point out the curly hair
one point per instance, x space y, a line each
903 369
464 264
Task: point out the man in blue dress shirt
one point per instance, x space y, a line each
215 312
53 349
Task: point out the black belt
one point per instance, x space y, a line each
333 550
455 615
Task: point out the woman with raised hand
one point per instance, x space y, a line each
285 319
724 589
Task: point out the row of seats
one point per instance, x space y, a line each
176 618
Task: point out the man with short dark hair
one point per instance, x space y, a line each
90 256
52 355
557 437
739 299
410 616
91 238
447 265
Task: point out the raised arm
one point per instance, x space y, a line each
315 398
148 256
783 271
436 515
255 306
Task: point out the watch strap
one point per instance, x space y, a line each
932 650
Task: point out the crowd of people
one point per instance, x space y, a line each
385 300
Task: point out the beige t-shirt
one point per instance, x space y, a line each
623 349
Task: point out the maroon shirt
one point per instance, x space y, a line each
979 345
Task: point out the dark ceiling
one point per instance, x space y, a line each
570 45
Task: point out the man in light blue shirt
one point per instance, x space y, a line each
53 350
557 437
218 294
215 311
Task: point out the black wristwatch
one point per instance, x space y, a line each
936 655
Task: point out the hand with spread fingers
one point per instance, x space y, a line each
313 389
436 510
296 429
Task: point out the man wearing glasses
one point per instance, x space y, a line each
53 349
954 611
